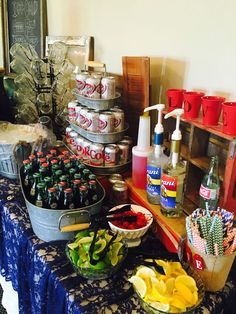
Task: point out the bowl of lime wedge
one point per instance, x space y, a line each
96 256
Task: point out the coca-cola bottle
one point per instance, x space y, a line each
210 186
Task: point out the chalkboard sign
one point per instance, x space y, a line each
24 22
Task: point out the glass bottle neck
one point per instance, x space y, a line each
174 152
213 170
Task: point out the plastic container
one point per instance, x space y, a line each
139 166
141 152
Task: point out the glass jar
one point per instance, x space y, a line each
119 193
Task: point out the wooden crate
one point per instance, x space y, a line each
199 143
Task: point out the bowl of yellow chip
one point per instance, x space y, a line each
110 250
179 290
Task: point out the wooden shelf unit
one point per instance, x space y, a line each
199 143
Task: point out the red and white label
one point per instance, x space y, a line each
198 262
207 193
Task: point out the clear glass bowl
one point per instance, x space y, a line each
95 273
201 293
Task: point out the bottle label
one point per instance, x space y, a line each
39 203
209 194
53 205
153 180
32 192
168 191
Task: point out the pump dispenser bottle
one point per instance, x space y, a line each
156 160
141 152
173 174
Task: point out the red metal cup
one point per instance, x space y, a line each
211 109
192 104
175 98
229 114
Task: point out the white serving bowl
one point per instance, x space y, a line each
133 236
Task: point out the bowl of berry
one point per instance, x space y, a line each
134 229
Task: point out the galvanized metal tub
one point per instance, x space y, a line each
45 221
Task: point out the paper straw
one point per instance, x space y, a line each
218 236
188 229
199 243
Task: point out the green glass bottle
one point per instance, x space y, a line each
92 176
85 175
64 178
72 173
76 192
84 201
60 195
52 202
81 167
33 190
210 186
56 176
48 183
53 152
33 161
38 156
43 170
41 196
66 166
77 176
73 160
92 192
28 174
68 199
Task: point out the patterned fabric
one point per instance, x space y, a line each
46 281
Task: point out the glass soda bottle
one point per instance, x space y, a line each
52 198
68 199
33 190
84 201
27 174
60 194
92 192
41 196
210 186
76 193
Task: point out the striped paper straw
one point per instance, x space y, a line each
218 236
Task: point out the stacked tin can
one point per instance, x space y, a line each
95 85
97 121
98 154
85 121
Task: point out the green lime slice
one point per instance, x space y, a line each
74 256
114 260
115 248
108 237
81 234
85 240
100 246
73 245
119 238
100 265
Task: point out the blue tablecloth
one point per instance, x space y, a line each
45 280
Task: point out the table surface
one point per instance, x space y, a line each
46 282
